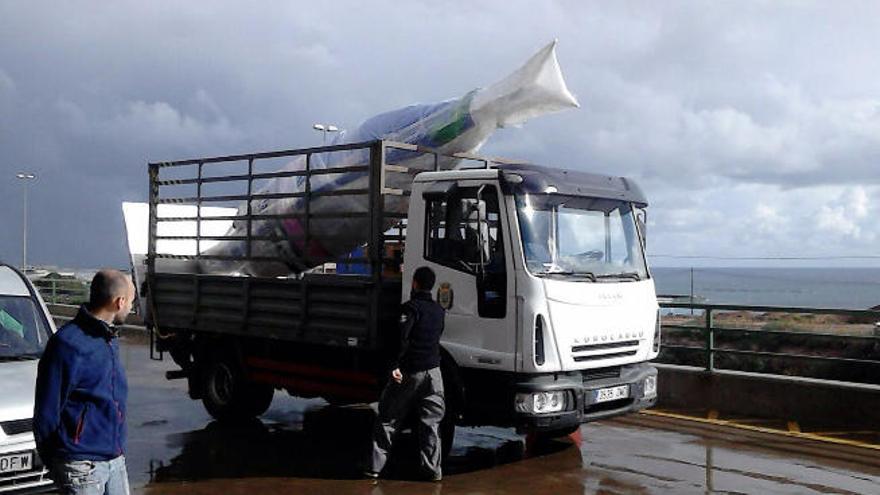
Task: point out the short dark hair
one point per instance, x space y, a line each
424 278
107 285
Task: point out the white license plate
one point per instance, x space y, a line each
611 393
16 462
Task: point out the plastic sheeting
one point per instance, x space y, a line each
458 125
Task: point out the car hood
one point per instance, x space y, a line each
17 382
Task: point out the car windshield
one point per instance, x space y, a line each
23 329
589 238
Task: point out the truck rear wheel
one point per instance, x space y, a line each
228 396
260 398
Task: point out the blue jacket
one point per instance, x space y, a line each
79 408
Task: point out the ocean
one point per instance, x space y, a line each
843 288
849 288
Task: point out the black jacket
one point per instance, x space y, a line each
421 325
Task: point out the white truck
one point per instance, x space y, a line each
551 312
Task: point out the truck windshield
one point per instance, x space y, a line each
588 238
23 329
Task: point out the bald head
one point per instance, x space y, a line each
111 294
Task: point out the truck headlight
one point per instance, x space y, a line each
650 387
541 402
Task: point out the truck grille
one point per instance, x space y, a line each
598 347
602 373
17 426
581 359
604 350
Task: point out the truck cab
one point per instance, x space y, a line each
543 276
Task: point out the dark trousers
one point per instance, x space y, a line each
422 392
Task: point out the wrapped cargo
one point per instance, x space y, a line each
459 125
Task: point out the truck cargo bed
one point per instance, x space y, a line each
335 310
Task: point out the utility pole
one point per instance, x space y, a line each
692 291
24 177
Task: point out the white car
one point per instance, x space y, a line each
25 327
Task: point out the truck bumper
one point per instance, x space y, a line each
582 389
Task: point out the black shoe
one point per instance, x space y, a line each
435 477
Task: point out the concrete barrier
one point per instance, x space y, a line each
755 395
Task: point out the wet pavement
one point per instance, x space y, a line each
305 446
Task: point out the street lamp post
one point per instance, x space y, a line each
25 177
325 128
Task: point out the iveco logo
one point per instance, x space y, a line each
611 296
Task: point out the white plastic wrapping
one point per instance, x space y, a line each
452 126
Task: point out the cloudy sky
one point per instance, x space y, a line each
754 127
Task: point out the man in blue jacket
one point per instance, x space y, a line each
79 410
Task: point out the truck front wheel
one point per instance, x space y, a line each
228 396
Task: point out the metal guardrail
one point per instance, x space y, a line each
62 313
62 290
709 332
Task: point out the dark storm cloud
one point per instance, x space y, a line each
765 98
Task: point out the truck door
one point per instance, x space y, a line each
466 242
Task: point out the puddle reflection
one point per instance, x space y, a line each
327 443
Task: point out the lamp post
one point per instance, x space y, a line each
325 128
25 177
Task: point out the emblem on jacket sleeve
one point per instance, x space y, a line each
444 295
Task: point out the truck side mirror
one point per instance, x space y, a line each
642 221
474 213
483 237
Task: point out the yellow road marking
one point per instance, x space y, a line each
846 432
760 429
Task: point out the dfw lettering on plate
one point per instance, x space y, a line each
18 462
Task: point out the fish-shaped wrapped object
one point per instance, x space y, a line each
452 126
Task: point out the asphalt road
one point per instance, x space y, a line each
304 446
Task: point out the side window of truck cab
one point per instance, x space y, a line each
464 233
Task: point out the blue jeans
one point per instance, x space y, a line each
90 477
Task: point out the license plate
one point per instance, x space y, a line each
611 393
16 462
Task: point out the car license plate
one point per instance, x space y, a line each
16 462
611 393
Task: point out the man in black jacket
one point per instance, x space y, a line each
415 382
